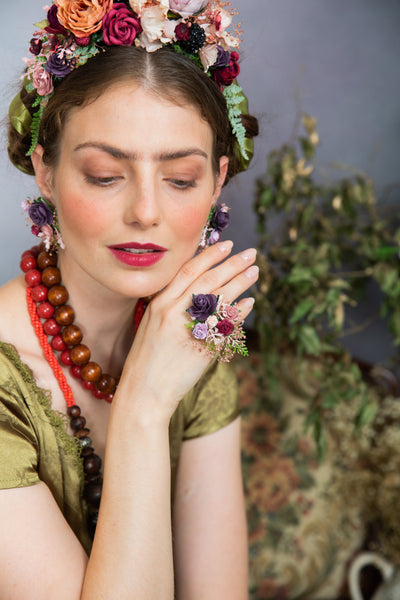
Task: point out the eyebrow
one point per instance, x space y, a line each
123 155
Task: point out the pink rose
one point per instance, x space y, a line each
42 81
231 312
120 26
187 8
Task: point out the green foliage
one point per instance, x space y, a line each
320 243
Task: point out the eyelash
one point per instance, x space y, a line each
100 181
183 184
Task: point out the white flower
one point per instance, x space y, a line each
152 22
187 8
208 55
212 321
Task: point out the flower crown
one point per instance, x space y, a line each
76 30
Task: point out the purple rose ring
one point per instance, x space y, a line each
218 325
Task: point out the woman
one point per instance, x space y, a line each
130 152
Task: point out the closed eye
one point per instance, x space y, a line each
101 181
183 184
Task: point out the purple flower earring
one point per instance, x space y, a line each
218 220
44 222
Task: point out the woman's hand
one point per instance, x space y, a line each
165 362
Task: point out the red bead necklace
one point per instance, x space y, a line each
46 300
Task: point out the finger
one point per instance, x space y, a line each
245 306
196 266
238 285
214 279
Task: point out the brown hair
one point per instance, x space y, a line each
163 72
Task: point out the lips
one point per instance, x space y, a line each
135 254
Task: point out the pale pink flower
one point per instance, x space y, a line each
46 234
208 55
42 81
152 21
187 8
212 321
138 6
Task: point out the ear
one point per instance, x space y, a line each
223 169
43 174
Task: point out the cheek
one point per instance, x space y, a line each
77 215
191 223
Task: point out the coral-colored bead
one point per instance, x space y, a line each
91 372
65 358
106 384
80 355
58 343
76 371
28 253
33 277
72 335
45 310
73 411
51 276
58 295
64 315
46 259
39 293
27 263
50 327
88 385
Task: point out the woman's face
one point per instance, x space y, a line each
133 188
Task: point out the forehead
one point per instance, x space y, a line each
127 115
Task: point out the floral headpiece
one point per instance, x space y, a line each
76 30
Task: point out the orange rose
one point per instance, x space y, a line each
82 17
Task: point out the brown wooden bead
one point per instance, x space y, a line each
92 493
80 355
106 384
51 276
72 335
91 372
78 423
57 295
92 464
80 433
73 411
64 315
46 259
86 451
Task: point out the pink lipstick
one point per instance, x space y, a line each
138 255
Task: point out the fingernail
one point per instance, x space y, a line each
252 272
225 246
249 254
249 303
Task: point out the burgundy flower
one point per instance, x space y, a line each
220 219
40 214
83 41
203 305
225 76
120 26
225 327
36 46
58 65
54 25
182 32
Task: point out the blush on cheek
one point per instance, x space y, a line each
191 224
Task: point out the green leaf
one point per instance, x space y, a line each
309 340
301 310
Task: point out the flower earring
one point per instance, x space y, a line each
218 220
44 222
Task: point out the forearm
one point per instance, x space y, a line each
132 549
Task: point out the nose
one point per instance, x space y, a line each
142 204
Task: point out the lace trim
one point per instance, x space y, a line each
57 419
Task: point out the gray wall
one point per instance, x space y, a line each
337 59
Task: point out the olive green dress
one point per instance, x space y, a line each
35 445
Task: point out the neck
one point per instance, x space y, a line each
105 318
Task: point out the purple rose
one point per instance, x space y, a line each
120 26
40 214
200 331
54 25
220 219
225 327
203 305
58 65
223 57
214 237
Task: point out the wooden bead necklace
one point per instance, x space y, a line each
46 299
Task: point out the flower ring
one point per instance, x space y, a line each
218 325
